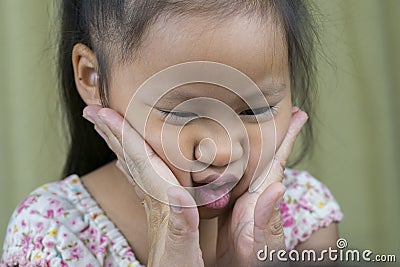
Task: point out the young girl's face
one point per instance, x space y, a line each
252 46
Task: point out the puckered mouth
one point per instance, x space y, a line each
216 181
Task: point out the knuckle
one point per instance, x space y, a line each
280 164
139 164
276 226
244 234
295 129
293 132
149 152
118 135
178 231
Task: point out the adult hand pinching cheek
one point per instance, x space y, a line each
275 171
173 229
271 192
255 221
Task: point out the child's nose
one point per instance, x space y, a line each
219 149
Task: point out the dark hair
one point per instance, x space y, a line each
115 28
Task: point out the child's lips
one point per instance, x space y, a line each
214 191
213 199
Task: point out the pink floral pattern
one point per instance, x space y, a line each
60 224
307 205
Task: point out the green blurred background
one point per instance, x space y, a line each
358 126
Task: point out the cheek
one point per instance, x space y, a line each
174 147
263 144
282 122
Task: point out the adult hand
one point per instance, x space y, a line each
255 221
173 229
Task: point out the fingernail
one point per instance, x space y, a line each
295 109
254 185
101 116
304 118
174 204
278 202
176 209
86 116
119 166
102 121
101 133
89 114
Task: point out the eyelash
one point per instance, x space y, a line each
272 109
184 116
172 115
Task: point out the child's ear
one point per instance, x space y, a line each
86 75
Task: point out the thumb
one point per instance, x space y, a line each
268 227
182 243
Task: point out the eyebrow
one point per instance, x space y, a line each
270 90
173 98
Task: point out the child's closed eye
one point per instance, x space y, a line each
257 111
182 117
177 116
258 115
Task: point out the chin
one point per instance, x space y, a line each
206 213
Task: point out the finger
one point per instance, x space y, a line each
121 165
268 227
110 139
121 168
298 120
276 172
128 138
182 242
148 170
90 113
111 125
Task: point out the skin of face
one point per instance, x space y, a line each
253 46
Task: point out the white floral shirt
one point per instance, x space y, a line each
60 224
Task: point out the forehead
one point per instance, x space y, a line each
253 46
